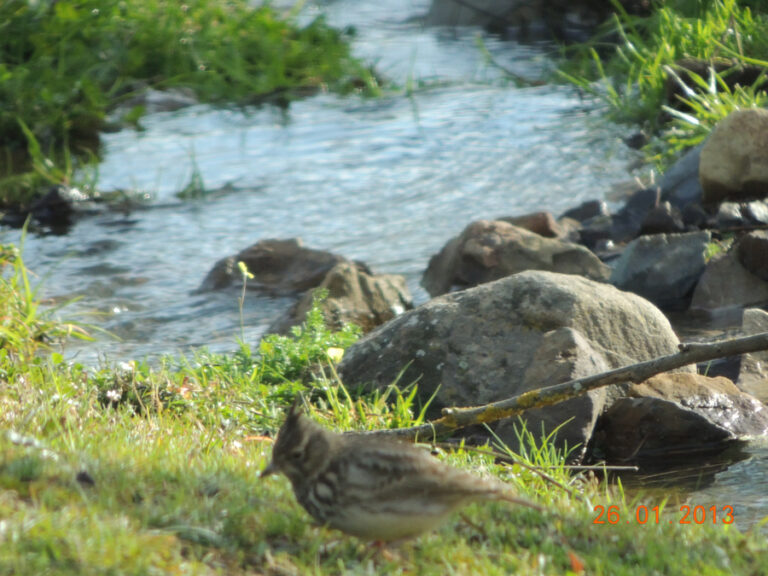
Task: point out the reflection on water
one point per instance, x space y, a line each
737 477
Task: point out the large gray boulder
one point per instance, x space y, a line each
491 249
664 268
526 331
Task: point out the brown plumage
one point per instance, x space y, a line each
373 488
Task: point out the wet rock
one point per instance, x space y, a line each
587 210
725 283
753 367
729 216
503 338
664 268
278 266
680 184
541 223
675 415
752 251
756 212
734 160
59 207
489 250
663 219
354 296
636 140
741 215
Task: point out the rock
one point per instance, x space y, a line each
569 229
489 250
663 268
752 252
503 338
671 416
354 297
628 221
729 215
161 100
596 231
636 140
680 184
694 216
541 223
563 19
663 219
58 207
474 13
278 267
734 160
587 210
726 282
753 367
741 215
757 212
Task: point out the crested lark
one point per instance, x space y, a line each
369 487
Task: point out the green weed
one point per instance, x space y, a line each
630 65
64 66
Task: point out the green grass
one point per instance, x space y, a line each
139 469
630 62
64 66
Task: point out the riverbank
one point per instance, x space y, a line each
676 72
140 469
71 72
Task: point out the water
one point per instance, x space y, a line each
386 181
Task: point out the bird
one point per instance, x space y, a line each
373 488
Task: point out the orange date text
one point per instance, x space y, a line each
644 514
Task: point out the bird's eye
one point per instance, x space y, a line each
296 455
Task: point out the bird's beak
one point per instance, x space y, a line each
269 470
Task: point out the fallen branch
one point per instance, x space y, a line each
456 418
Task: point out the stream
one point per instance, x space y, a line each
387 181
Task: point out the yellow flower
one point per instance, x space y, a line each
335 354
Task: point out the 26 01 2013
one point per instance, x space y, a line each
688 514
